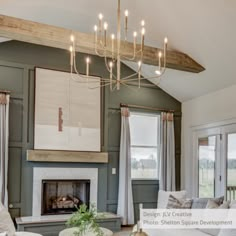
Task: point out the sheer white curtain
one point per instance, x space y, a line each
167 155
125 197
4 131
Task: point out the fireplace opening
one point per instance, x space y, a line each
64 196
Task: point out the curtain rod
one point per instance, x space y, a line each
146 108
5 91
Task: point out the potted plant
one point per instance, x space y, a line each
84 219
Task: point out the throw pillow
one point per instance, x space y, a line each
163 197
175 203
211 204
6 224
200 203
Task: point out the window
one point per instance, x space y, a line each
145 136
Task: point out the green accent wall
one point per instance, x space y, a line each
17 63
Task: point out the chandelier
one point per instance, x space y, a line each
110 49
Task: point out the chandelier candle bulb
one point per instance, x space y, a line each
166 41
111 65
87 66
139 65
112 45
165 47
95 35
72 49
126 19
71 56
135 37
126 23
142 41
100 17
160 55
142 23
105 26
72 38
139 72
105 33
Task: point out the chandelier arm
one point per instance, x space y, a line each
130 76
84 76
113 89
103 48
131 88
89 81
131 58
89 78
76 71
163 71
106 64
128 58
142 78
81 82
147 78
98 54
96 49
104 85
141 85
107 67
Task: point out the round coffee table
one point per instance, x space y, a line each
70 232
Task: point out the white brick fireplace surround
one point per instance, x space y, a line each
42 173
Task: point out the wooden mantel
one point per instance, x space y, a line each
52 36
66 156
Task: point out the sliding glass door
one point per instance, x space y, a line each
216 160
206 165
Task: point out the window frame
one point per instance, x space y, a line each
157 147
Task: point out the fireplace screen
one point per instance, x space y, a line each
63 196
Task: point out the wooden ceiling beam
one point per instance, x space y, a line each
57 37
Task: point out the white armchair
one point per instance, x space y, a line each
7 226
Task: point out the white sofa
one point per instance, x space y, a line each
199 203
7 227
174 232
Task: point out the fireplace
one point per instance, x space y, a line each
64 196
63 175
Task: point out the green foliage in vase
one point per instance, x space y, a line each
84 220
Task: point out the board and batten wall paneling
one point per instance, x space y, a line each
12 78
17 62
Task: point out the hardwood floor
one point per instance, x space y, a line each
125 231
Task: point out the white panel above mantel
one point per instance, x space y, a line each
66 156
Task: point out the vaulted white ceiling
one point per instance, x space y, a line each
204 29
